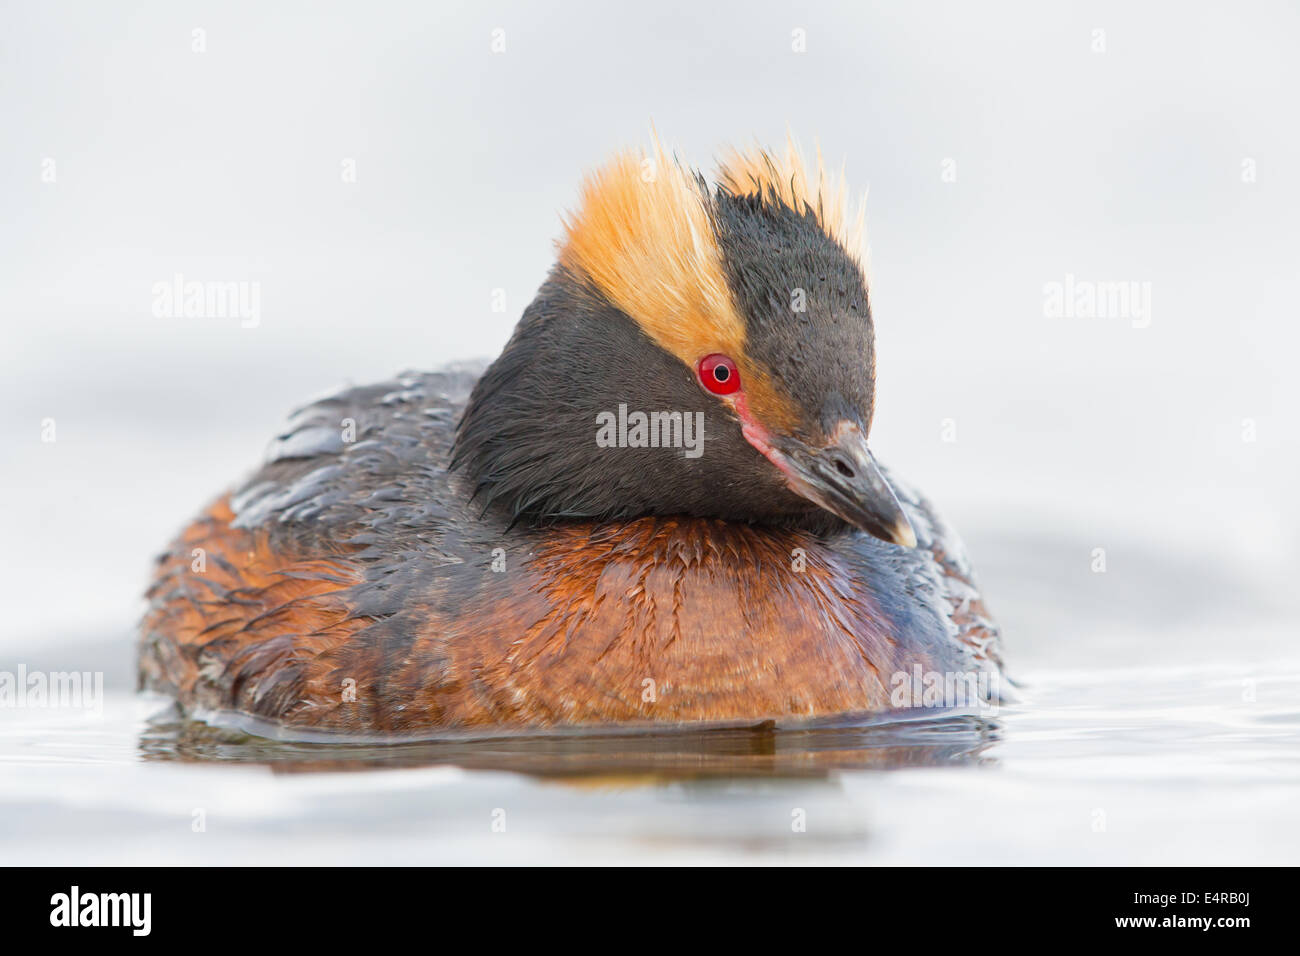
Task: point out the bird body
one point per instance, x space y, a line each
657 505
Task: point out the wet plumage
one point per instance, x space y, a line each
451 550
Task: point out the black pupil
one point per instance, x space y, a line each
721 373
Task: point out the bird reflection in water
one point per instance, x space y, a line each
764 749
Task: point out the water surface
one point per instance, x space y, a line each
1108 766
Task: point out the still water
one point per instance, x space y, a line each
1188 764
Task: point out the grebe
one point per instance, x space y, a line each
657 505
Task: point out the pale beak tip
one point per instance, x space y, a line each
903 533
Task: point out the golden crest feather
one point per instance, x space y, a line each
786 179
643 234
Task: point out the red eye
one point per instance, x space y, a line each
718 374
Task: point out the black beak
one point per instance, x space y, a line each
844 478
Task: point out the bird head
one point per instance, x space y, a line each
739 308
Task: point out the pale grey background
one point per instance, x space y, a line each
1072 433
